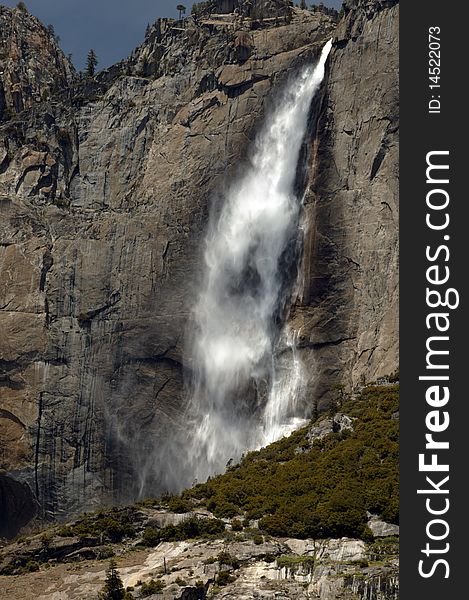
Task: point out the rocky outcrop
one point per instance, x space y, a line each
258 9
380 528
347 312
32 66
104 200
244 565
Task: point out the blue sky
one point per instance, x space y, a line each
113 28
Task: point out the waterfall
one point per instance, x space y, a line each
242 395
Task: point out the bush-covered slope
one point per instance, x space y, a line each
305 487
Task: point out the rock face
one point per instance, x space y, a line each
347 313
255 8
32 66
105 192
104 203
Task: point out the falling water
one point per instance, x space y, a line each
242 395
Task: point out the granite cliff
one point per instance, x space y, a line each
105 191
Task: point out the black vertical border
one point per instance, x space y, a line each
420 133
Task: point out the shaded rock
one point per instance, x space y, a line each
17 503
193 593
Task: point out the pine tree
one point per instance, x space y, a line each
182 10
113 587
51 30
303 4
91 62
147 30
22 7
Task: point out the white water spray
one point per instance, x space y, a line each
243 397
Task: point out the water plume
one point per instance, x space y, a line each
242 394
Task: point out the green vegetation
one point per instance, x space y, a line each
51 30
151 587
224 510
225 558
258 539
190 528
200 9
113 587
326 489
151 537
179 505
22 7
32 566
236 525
91 63
383 548
224 578
113 526
181 9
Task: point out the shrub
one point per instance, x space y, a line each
224 578
225 558
179 505
236 525
258 539
382 548
224 510
151 537
104 552
151 587
190 528
31 566
276 525
116 531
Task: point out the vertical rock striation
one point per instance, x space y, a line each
347 312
